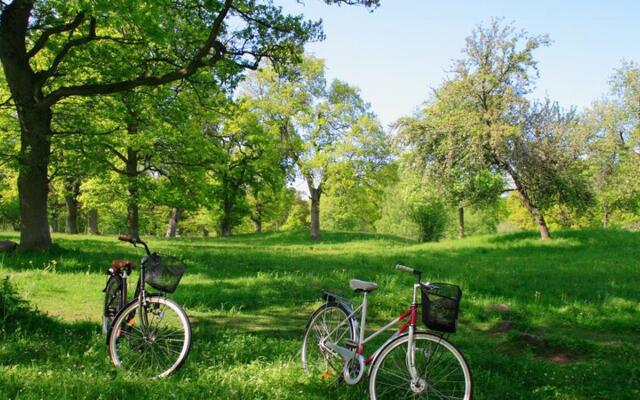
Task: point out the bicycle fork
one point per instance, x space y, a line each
418 384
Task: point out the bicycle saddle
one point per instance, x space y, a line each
362 286
117 265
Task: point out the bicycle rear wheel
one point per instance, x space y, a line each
152 339
325 323
442 371
113 302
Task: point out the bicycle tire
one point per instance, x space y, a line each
113 301
426 388
126 340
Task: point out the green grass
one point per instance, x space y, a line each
249 297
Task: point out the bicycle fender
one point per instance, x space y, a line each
114 276
331 297
135 299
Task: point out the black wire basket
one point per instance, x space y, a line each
164 272
440 306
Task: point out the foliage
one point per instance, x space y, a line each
609 140
354 203
413 209
299 216
9 206
328 129
146 44
490 126
249 161
437 141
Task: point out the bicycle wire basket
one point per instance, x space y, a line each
440 306
164 272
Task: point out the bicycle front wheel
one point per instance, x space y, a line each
442 372
152 339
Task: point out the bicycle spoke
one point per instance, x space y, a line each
156 344
327 327
440 374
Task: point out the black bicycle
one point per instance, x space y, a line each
150 334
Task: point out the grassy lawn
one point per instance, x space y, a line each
571 329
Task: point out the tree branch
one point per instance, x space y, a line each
116 152
198 60
46 34
7 103
69 133
44 75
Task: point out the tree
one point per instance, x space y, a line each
438 140
528 143
249 160
412 208
299 216
355 204
52 51
610 140
324 125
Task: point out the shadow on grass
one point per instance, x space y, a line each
302 237
32 337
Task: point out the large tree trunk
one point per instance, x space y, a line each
174 217
133 224
461 222
533 210
33 181
315 212
92 222
257 217
71 200
536 214
35 127
132 191
606 215
226 222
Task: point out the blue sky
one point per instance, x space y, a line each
404 48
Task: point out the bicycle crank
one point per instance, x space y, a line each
353 369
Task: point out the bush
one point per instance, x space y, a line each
431 219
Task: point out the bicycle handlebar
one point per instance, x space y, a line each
410 270
134 241
404 268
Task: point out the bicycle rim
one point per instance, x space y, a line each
151 340
442 371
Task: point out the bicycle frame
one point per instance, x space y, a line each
140 291
358 349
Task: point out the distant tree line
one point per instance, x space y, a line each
146 132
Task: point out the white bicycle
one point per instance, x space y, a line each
411 364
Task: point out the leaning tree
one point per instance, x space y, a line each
55 50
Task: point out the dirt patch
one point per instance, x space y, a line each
502 327
499 307
534 340
561 358
543 349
